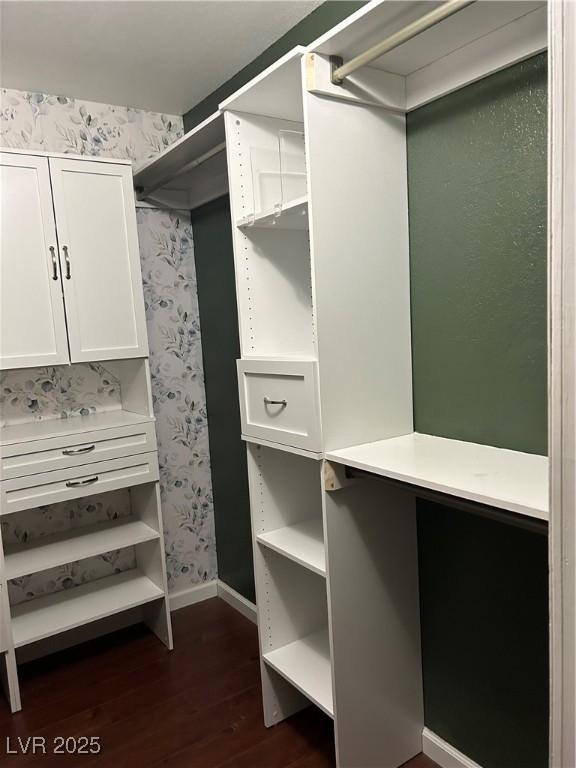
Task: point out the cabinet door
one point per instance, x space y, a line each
96 221
32 326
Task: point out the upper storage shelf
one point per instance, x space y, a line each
190 172
517 482
276 92
480 39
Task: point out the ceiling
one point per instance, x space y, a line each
160 55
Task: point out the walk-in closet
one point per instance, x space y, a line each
287 384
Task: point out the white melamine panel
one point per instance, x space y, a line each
279 401
497 477
378 20
358 209
63 484
306 664
562 381
78 544
49 615
277 91
515 41
48 429
32 325
372 565
45 455
174 177
96 221
273 273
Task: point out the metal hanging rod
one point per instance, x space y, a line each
341 70
144 192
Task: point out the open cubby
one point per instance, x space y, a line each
100 557
287 490
274 281
294 627
38 403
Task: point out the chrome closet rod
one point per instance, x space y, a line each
342 71
144 192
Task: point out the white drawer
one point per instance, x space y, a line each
279 402
31 457
74 483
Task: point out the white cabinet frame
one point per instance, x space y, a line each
562 384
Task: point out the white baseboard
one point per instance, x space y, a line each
443 753
237 601
193 594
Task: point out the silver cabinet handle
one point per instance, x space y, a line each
67 260
75 451
283 403
54 262
80 483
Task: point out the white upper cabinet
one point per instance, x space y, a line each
32 325
96 222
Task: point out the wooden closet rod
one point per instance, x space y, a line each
341 70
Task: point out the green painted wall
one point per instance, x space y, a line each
220 348
484 609
322 19
477 201
477 189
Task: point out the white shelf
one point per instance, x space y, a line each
49 615
306 664
78 544
190 172
294 215
509 480
41 430
275 92
303 543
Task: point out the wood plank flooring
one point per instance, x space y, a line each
197 707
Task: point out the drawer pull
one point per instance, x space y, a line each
76 451
80 483
283 403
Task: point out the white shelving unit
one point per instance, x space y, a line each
325 377
49 459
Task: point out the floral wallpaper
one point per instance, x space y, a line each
72 126
171 302
67 125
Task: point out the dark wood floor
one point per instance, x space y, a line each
197 707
